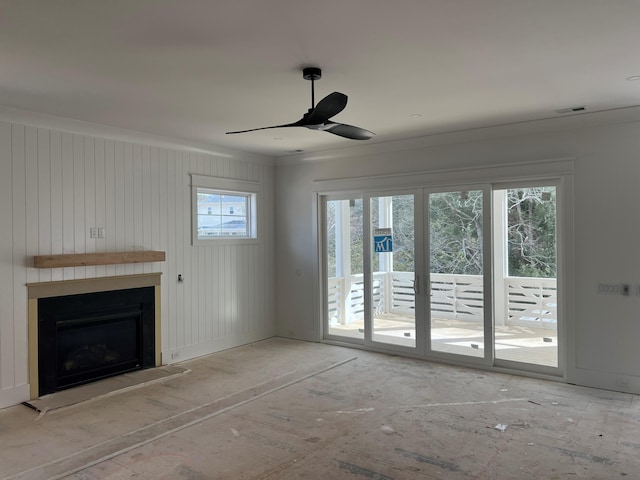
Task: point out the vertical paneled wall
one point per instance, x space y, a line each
55 186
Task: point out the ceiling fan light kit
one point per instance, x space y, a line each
317 117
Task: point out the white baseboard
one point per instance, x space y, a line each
605 381
193 351
14 395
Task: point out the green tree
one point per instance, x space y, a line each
531 232
456 232
402 212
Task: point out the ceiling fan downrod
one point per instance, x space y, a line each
313 74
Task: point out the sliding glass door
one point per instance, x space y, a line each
392 254
458 270
464 273
369 262
344 268
526 276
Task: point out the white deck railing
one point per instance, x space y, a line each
529 300
532 300
457 296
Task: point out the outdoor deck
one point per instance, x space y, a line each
525 327
516 343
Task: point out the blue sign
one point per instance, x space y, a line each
382 240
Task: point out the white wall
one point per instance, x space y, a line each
604 331
55 185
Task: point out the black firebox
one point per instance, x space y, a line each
87 337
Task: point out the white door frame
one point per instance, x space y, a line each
487 268
553 170
419 313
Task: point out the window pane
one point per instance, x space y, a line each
456 237
403 233
393 279
222 215
208 225
345 284
234 205
526 320
233 226
331 240
208 202
531 230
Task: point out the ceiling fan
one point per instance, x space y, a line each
317 117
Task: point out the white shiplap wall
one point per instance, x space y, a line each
55 185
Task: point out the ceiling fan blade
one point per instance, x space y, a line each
296 124
326 108
317 117
348 131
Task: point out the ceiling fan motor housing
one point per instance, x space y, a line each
311 73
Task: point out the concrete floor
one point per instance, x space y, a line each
282 409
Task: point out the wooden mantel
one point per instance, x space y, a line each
102 258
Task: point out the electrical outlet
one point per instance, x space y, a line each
175 355
93 232
100 232
624 289
609 289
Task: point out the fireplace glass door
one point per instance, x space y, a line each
97 347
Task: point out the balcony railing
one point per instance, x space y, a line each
529 301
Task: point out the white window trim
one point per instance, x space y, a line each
231 186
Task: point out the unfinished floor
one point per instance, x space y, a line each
282 409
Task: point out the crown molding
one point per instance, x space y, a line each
546 125
52 122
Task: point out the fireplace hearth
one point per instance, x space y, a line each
87 337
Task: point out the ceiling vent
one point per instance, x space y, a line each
581 108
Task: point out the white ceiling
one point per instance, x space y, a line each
194 69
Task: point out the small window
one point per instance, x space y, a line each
223 213
227 214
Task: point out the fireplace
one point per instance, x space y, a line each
83 338
81 331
